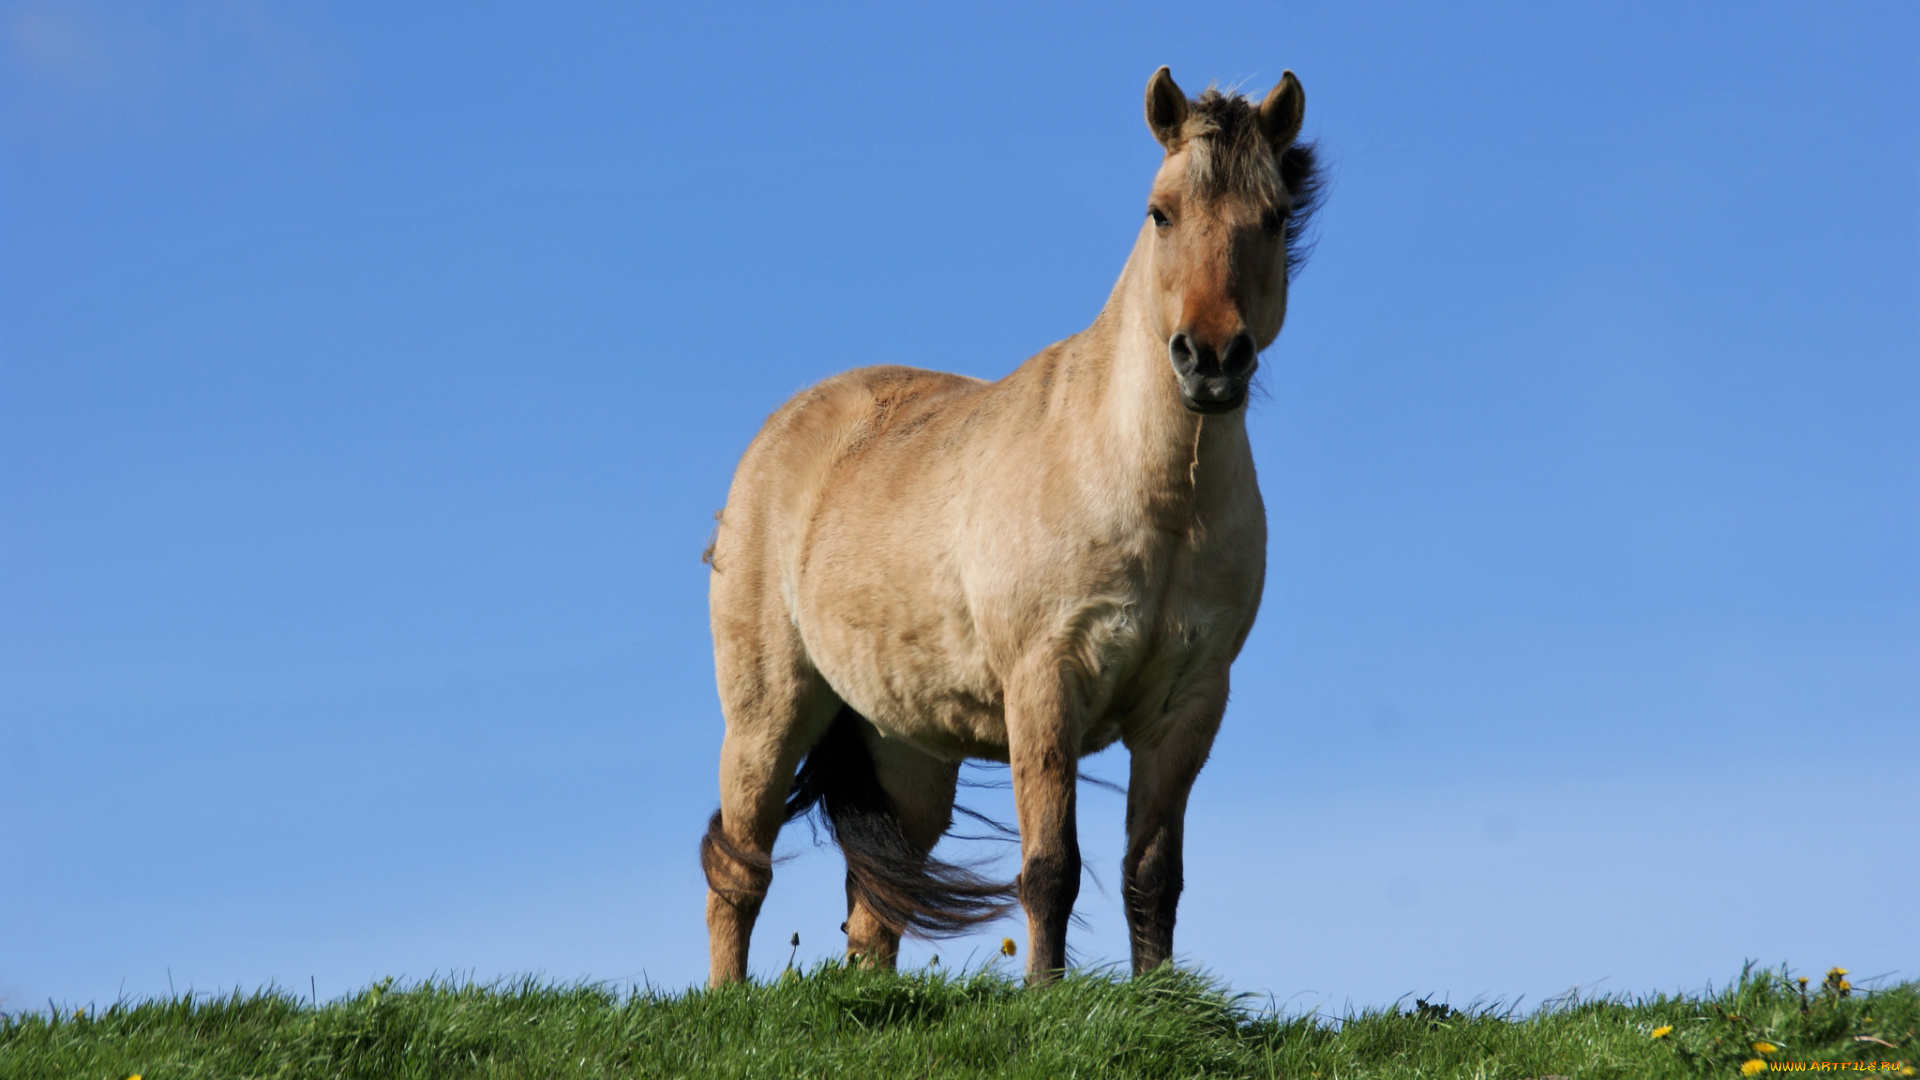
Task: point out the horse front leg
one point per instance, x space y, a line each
1164 765
1043 744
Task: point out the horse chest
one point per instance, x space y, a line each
1147 619
921 632
1182 632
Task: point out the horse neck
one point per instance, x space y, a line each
1136 430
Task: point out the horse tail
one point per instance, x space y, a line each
906 889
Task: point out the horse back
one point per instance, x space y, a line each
803 452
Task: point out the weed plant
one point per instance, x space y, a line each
841 1022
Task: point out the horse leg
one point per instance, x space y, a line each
1043 747
1161 776
775 708
921 789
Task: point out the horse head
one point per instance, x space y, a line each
1223 231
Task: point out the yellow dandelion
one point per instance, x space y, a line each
1803 980
1834 973
1663 1031
1906 1070
1764 1048
1007 947
1753 1065
1845 986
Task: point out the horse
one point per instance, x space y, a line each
916 568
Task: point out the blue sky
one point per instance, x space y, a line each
368 384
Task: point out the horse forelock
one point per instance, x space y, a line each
1228 156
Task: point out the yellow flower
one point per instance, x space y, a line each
1663 1031
1905 1070
1753 1065
1845 986
1764 1048
1834 973
1007 947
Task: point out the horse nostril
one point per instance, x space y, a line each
1180 350
1239 356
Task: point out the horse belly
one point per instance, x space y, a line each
924 705
914 670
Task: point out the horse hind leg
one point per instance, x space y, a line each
771 721
887 805
920 791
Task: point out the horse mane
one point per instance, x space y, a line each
1228 154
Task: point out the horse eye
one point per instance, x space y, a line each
1273 221
1159 219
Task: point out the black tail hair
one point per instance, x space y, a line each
717 851
909 891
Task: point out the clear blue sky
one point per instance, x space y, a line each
369 378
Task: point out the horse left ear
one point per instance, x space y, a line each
1281 113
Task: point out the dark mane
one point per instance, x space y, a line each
1228 154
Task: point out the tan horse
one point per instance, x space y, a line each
915 568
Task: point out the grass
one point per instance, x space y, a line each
839 1022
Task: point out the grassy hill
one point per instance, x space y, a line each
843 1023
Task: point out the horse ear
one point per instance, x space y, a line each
1281 113
1166 109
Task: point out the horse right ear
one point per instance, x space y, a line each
1166 109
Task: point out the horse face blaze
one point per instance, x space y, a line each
1222 274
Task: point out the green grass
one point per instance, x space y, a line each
840 1022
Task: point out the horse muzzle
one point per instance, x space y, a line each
1212 381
